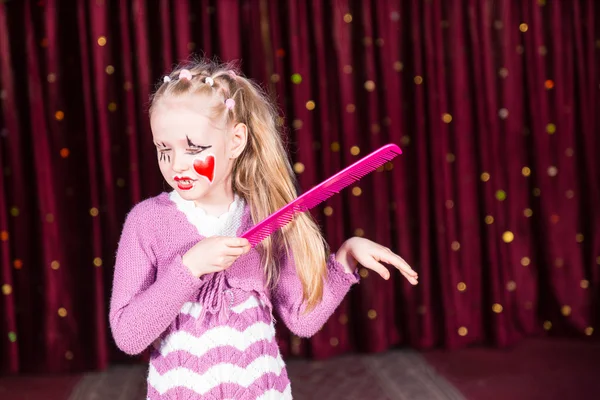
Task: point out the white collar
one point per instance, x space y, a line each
225 224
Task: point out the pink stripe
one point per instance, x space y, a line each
238 321
221 354
227 390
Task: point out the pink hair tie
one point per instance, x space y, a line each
185 74
230 103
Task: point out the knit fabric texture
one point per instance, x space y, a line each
211 337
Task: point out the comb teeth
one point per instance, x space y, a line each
321 192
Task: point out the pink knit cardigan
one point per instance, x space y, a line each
154 293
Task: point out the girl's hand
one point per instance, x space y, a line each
214 254
369 254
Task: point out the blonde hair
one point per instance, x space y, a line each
264 156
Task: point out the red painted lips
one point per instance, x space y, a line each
184 183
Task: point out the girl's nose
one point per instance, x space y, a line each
179 164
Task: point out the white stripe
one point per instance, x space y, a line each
251 302
191 308
273 394
194 309
214 376
219 336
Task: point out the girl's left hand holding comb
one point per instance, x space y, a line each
371 255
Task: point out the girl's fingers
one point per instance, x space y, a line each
398 262
236 246
372 264
413 280
237 242
229 260
236 251
389 257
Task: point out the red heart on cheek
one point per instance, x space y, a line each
205 167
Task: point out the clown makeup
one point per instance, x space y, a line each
196 149
163 152
205 166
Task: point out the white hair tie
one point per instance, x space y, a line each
209 81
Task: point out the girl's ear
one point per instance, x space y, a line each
239 138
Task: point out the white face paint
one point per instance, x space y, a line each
191 148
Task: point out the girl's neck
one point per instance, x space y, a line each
216 201
216 204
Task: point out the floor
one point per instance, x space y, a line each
534 369
544 369
394 375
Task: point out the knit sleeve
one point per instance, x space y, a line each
141 306
287 297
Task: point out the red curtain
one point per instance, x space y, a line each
495 201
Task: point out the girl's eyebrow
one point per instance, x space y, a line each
161 144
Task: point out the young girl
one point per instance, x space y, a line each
187 284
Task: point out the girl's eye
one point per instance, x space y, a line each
197 149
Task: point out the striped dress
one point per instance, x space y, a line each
213 337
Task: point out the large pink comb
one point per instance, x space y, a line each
321 192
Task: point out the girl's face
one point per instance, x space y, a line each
195 152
